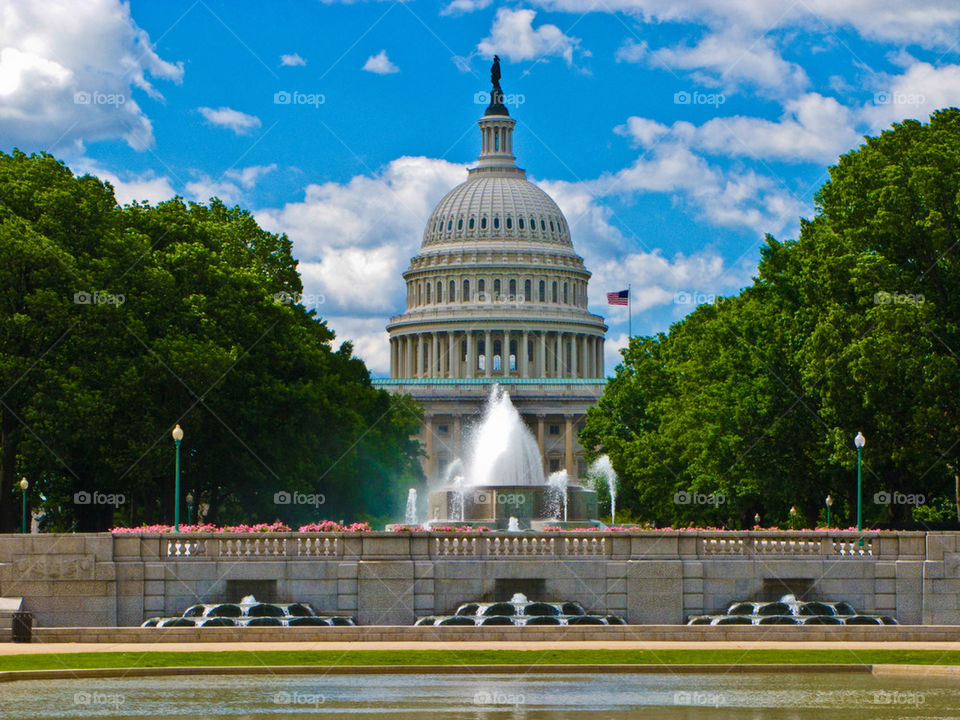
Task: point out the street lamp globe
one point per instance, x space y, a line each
177 433
24 484
859 440
829 501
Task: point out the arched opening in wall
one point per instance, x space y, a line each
513 289
497 359
496 223
439 291
496 289
481 355
527 290
520 223
460 224
566 294
466 291
481 290
509 223
452 295
428 293
470 224
483 223
543 291
555 291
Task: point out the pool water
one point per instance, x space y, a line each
762 696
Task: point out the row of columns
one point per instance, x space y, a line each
457 353
431 440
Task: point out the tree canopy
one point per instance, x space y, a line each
119 322
854 326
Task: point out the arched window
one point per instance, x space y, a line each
452 295
512 360
466 291
470 224
418 293
481 290
543 291
566 294
533 223
497 355
450 224
509 223
460 224
527 290
575 293
543 225
520 223
496 289
496 223
555 291
439 291
428 293
551 226
483 223
513 289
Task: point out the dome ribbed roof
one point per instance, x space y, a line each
498 205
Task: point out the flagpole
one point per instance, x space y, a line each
629 313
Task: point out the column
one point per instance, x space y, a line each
487 354
600 368
569 460
453 357
471 353
419 369
522 353
561 355
444 345
434 354
505 362
574 351
541 440
407 357
542 357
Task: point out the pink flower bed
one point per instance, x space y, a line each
323 526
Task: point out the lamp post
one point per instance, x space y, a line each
829 503
23 486
177 437
189 500
859 441
793 517
756 519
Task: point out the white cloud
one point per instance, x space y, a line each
128 187
248 176
68 73
465 6
292 60
918 91
514 37
234 120
380 64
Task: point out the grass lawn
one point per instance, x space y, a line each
474 657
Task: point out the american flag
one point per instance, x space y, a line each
618 298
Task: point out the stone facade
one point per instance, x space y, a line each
391 578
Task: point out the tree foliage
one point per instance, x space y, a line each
118 322
854 326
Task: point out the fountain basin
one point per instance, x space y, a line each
493 506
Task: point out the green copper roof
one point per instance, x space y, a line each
489 381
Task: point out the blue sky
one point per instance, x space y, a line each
673 134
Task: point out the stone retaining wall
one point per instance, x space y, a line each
392 578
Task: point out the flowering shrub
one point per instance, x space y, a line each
441 528
323 526
331 526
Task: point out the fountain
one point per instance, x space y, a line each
502 483
521 611
602 467
249 612
790 611
410 516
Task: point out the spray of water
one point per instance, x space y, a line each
557 505
503 451
601 467
410 517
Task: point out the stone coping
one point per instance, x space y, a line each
713 669
612 633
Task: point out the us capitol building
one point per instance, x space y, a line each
497 294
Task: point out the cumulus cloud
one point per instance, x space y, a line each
380 64
292 60
68 72
225 117
918 91
514 37
128 187
465 6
